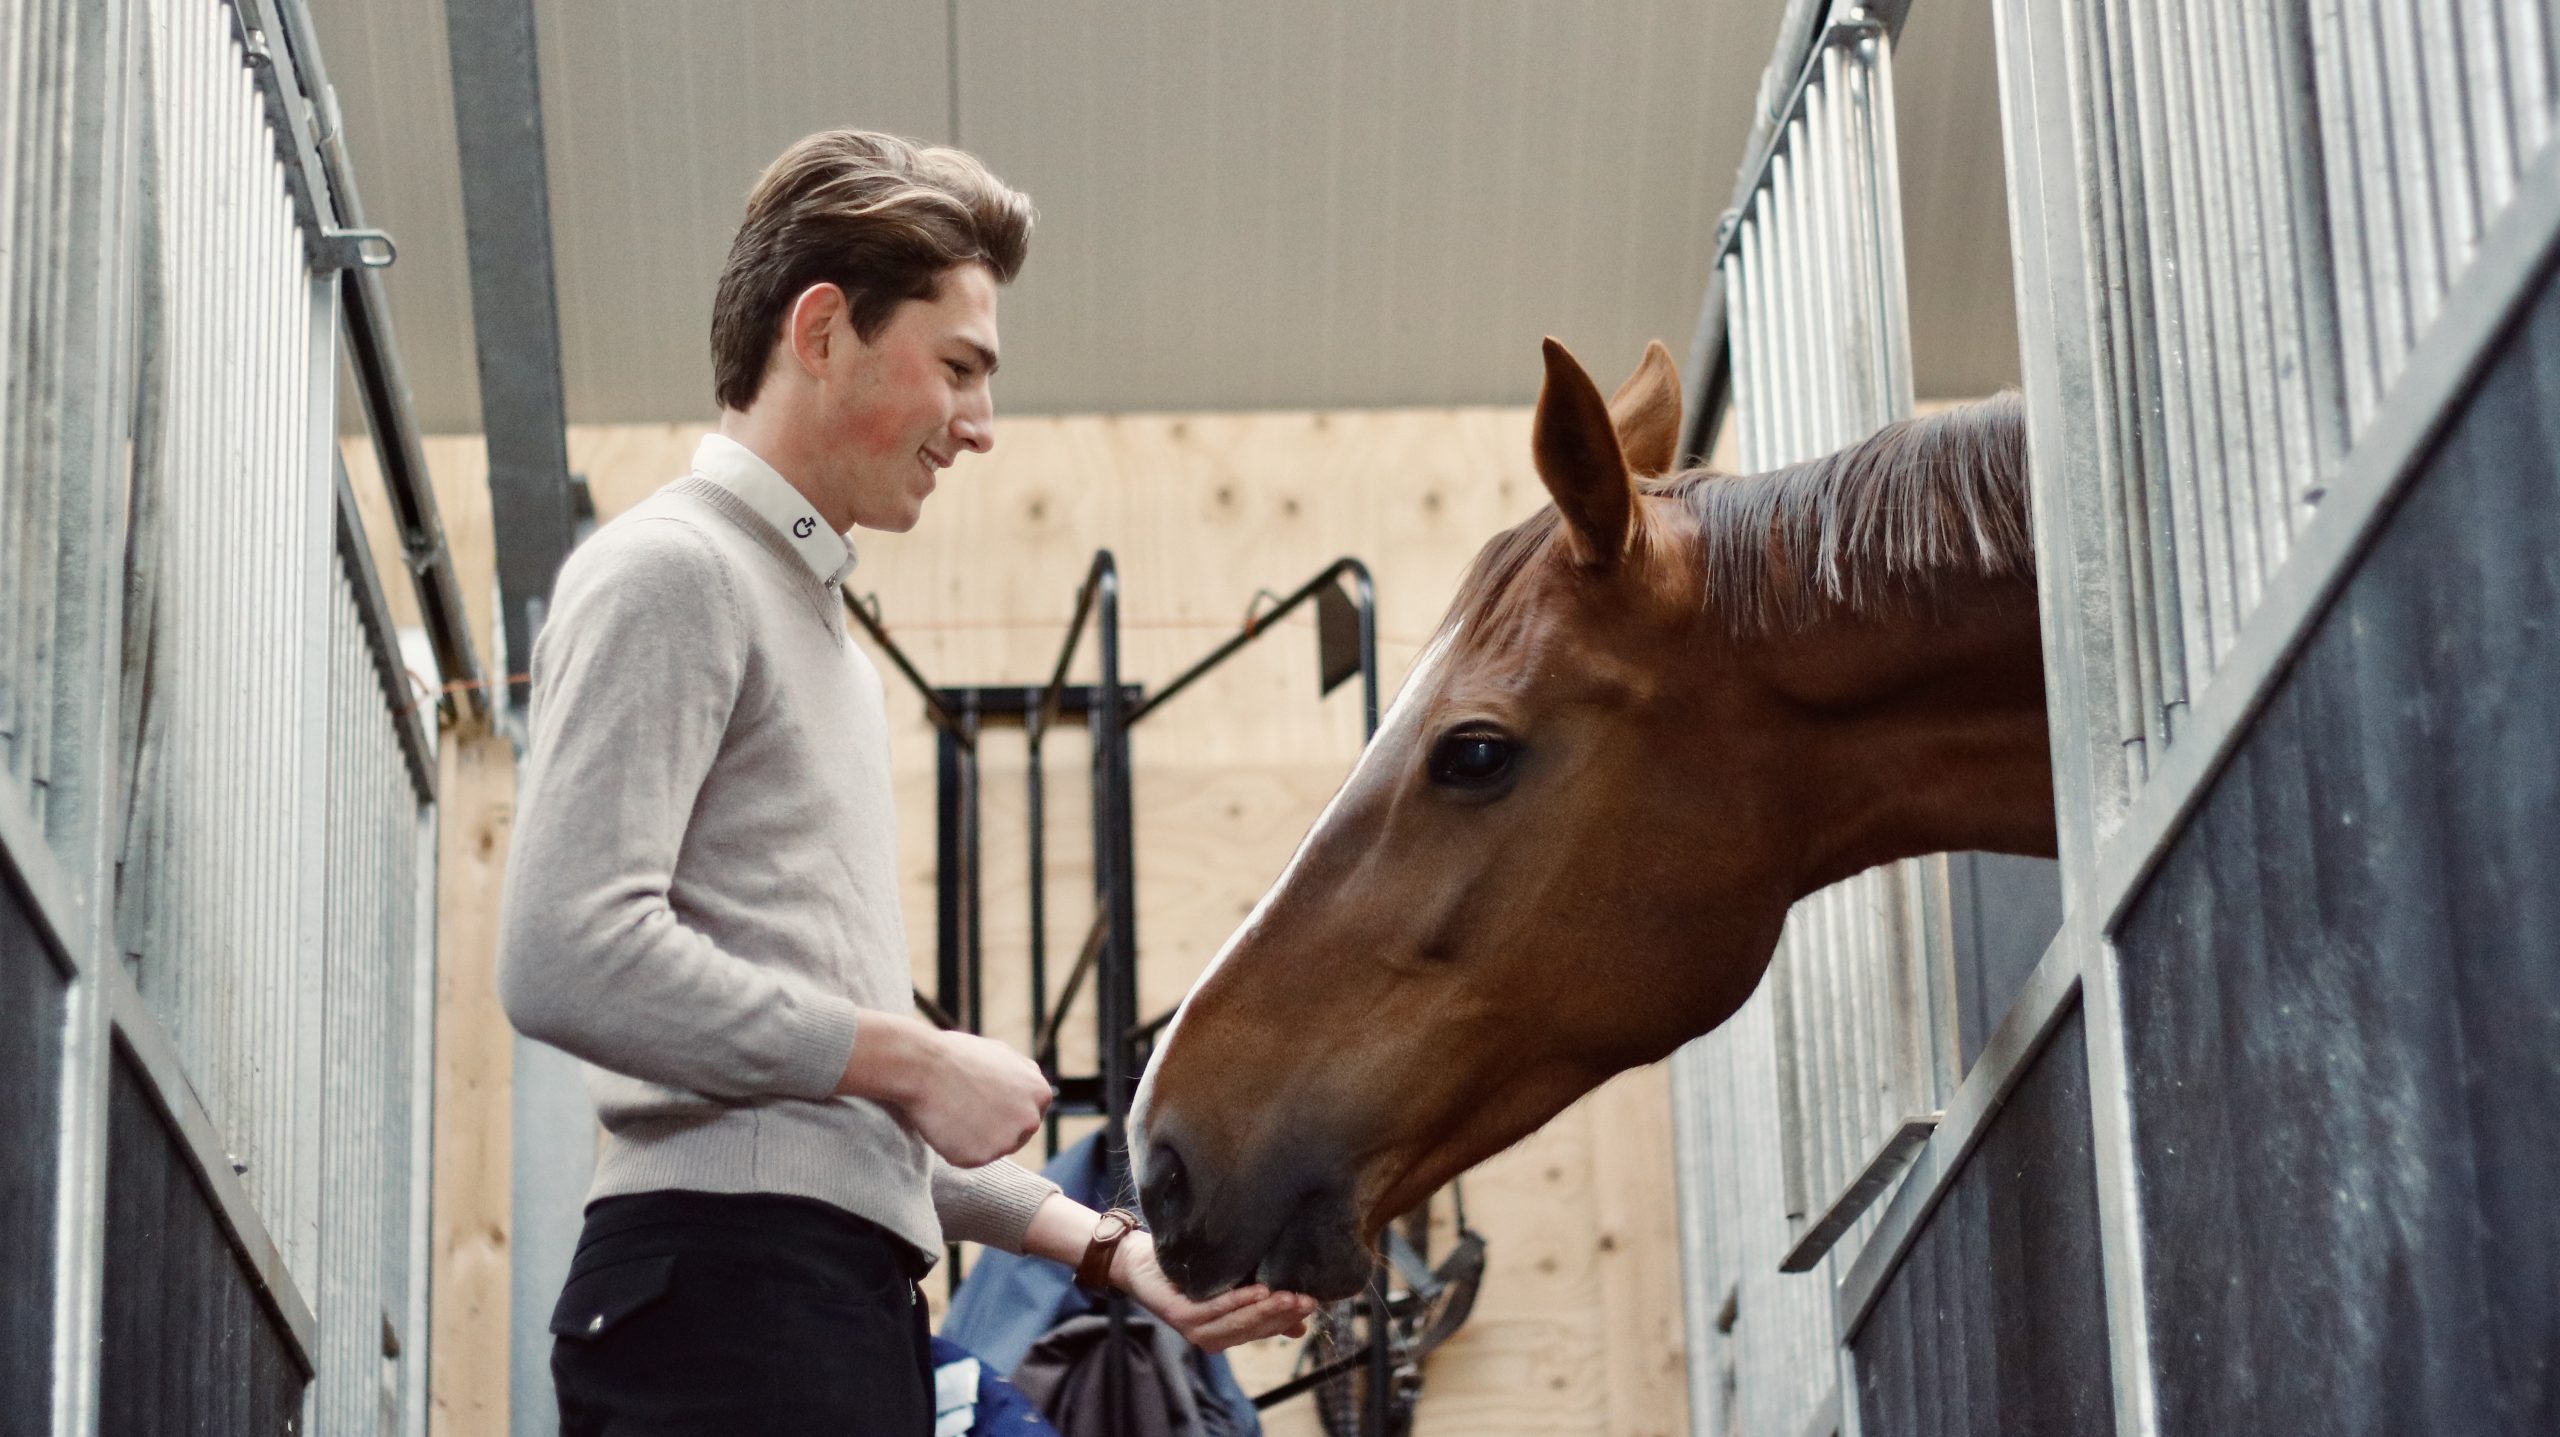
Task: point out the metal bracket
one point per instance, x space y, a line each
334 249
1898 1150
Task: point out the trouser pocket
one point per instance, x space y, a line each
595 1303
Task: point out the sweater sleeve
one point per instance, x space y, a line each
991 1205
634 679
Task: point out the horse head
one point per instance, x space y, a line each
1572 844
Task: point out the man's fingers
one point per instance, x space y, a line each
1262 1318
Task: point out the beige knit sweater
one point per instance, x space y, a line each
703 887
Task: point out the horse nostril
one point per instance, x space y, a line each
1168 1188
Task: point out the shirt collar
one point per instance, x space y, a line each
734 467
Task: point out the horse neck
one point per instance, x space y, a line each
1919 732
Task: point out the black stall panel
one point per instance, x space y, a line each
31 993
2006 910
2343 985
188 1344
1995 1325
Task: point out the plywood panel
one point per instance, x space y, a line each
1578 1329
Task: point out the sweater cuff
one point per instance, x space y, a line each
992 1205
820 1043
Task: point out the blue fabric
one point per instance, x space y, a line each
1007 1302
1002 1411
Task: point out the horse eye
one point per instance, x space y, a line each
1471 760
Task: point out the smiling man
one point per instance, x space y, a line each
702 897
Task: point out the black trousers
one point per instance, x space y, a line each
691 1312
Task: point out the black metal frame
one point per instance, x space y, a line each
1110 949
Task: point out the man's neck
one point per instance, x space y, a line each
770 438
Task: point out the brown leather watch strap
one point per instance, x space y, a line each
1094 1273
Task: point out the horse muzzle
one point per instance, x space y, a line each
1286 1220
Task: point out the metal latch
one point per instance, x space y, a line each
353 249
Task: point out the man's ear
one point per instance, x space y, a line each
1645 412
1576 450
810 329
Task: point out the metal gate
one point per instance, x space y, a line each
217 813
2256 1144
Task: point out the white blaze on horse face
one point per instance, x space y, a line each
1403 714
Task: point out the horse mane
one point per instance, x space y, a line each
1870 528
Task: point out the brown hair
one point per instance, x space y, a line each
879 217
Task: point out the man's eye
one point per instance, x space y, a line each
959 371
1471 760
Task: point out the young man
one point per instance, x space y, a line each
702 898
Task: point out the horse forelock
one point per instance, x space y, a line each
1871 528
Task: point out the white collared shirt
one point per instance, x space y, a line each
734 467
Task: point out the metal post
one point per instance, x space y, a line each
506 196
1036 817
950 847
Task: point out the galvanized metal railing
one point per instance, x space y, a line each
2280 197
218 799
1783 1111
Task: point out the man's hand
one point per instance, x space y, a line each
1240 1314
971 1099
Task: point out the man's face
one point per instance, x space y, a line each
899 409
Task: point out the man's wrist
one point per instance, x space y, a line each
1100 1266
1125 1258
892 1053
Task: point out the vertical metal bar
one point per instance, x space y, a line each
111 36
950 906
2231 451
2313 43
1740 362
2389 268
1752 448
1817 171
1892 275
2134 618
2200 366
2484 85
417 1351
1036 810
1780 246
2525 41
1115 990
2170 350
2052 220
2400 48
1795 1183
972 1013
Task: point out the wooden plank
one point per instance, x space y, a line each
475 1061
1637 1202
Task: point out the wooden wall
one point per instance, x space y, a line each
1578 1328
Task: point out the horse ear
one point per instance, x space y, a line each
1576 449
1645 412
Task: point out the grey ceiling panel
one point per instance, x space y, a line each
1243 205
660 114
1328 203
1955 202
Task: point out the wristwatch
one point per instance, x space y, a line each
1094 1273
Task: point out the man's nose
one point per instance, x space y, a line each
974 427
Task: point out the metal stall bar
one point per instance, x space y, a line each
329 206
1845 1043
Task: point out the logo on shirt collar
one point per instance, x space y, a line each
803 527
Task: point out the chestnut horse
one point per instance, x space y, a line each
1658 713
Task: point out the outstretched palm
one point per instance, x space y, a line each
1240 1314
